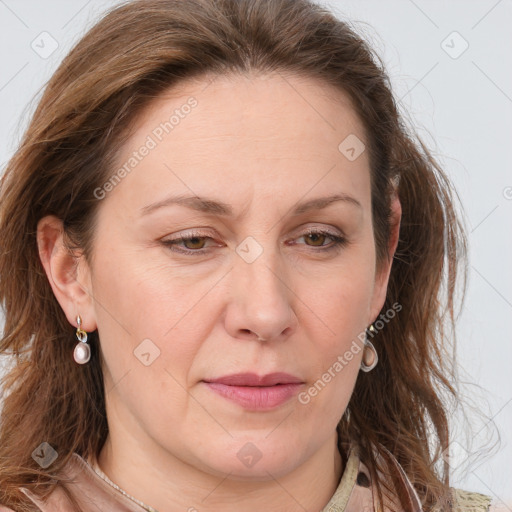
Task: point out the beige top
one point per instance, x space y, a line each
95 491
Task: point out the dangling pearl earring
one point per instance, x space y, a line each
82 352
370 357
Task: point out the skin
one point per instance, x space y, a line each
260 143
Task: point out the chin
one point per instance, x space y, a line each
254 461
262 471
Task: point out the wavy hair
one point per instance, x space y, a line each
135 52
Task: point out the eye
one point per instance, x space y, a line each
318 236
194 243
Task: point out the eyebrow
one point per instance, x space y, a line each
214 207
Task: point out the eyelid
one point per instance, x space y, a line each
196 232
186 235
323 229
338 239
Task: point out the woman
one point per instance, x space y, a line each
223 257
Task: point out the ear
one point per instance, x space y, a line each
382 277
67 272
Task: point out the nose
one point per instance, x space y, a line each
261 305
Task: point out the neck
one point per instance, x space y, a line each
309 487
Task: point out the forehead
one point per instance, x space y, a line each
245 105
270 133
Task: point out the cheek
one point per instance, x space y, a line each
334 323
148 327
143 294
341 302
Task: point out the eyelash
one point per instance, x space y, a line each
338 242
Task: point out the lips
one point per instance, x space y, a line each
252 379
256 393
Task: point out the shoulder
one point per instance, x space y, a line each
79 485
27 493
58 499
457 500
462 501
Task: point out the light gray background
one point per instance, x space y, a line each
460 103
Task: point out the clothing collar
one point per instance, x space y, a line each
357 491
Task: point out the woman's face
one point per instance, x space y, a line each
261 174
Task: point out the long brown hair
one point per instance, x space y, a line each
136 51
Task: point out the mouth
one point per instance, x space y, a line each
255 392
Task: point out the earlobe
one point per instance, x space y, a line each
61 267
